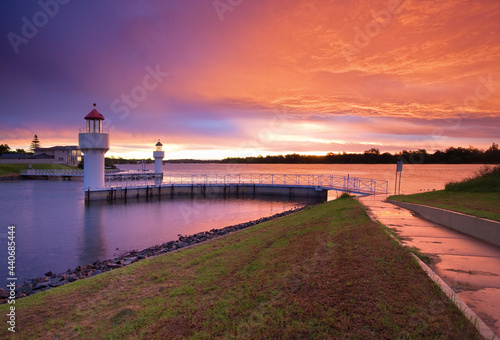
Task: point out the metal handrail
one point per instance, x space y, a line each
51 172
334 182
344 183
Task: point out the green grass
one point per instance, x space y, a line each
484 205
15 169
325 272
477 196
487 179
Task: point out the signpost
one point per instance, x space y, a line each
399 169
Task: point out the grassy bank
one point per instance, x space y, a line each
477 196
483 205
11 170
325 272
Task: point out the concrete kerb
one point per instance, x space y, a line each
480 228
483 329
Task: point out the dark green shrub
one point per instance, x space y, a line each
487 179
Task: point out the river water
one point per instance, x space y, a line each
56 230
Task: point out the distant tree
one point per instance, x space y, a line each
35 143
492 155
370 156
292 158
386 158
20 151
372 151
4 148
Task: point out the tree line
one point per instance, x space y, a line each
35 143
451 155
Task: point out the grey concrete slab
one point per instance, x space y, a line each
450 246
483 229
471 267
424 231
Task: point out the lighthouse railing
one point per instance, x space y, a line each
84 130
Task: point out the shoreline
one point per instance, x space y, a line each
52 280
11 178
329 260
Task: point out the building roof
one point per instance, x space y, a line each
69 147
94 114
25 156
159 144
42 156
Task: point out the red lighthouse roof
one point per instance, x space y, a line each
94 114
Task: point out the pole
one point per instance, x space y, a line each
399 189
396 182
399 168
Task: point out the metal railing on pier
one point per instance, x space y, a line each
328 182
51 172
58 172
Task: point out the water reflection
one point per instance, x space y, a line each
113 228
93 245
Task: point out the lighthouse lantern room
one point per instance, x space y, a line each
94 143
159 146
94 119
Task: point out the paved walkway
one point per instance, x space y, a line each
471 267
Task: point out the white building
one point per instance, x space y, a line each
69 155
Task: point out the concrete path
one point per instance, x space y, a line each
471 267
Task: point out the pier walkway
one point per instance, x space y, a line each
362 186
141 184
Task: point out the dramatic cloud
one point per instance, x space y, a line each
257 77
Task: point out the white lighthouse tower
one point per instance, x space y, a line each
94 143
158 155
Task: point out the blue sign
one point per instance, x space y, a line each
399 166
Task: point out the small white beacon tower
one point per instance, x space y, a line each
94 143
158 155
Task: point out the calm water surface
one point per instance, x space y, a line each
55 230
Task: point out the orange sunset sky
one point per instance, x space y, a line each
214 79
